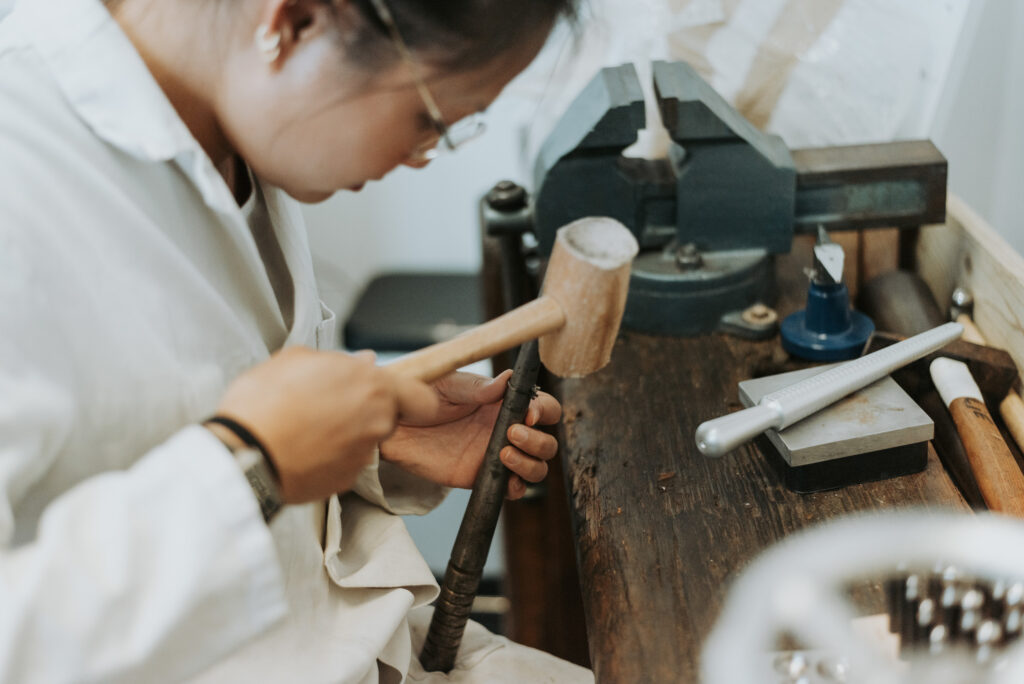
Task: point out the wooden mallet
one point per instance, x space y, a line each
577 319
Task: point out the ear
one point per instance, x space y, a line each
286 24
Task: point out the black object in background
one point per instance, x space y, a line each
408 311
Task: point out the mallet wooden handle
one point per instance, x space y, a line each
528 322
995 469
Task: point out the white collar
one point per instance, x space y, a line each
109 86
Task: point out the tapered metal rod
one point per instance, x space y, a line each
469 553
782 408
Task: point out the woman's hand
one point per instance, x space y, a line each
320 415
448 446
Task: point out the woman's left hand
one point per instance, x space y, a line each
448 447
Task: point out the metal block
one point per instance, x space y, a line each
880 416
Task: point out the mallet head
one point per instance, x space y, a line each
588 275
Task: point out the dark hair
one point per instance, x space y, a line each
455 34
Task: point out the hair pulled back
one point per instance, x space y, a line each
456 34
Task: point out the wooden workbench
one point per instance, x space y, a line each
661 530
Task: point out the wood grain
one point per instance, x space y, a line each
879 252
966 251
541 582
661 530
999 479
589 280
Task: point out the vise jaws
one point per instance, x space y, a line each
710 217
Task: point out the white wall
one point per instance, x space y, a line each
980 121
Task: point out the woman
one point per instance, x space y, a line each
154 274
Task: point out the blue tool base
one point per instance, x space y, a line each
814 346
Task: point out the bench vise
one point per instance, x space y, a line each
711 216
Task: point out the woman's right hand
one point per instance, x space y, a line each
320 414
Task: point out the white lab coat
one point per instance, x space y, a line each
131 293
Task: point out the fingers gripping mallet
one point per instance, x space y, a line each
578 315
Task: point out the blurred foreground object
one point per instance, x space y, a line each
800 591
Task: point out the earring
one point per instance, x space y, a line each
268 44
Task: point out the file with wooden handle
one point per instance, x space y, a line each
995 469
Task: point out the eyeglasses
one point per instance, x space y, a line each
454 136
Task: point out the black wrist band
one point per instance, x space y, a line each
247 438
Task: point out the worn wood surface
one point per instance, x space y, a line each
878 252
542 583
660 529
